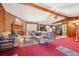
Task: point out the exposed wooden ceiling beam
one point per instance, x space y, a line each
67 19
43 9
46 10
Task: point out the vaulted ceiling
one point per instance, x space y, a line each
42 13
66 9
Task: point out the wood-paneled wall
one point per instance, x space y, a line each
71 29
9 19
2 18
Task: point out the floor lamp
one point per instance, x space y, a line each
76 36
76 32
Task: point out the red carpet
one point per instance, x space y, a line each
68 42
44 49
39 50
8 52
